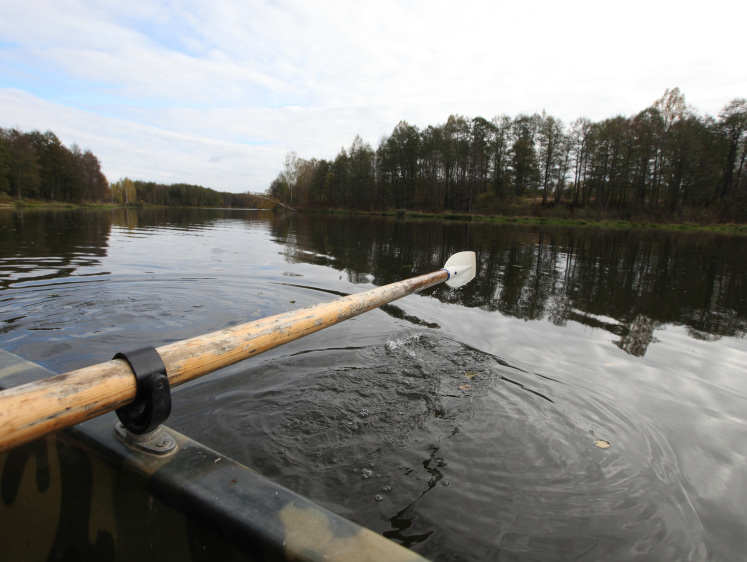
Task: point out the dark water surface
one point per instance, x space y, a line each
461 423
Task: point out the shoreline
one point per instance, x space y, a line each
617 224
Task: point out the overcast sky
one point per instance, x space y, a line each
216 93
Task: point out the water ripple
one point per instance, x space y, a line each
442 447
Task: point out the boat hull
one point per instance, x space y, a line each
84 494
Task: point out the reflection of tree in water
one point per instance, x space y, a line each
179 218
47 244
626 282
44 244
640 333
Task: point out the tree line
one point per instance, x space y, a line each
38 166
137 192
666 160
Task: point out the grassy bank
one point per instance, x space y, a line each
43 205
620 224
36 204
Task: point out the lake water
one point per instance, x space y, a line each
462 423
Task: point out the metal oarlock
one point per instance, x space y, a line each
156 442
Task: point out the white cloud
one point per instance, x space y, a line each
216 93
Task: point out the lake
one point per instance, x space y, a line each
463 423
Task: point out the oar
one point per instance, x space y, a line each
32 410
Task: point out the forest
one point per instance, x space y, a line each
137 192
37 166
665 163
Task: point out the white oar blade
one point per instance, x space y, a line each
462 268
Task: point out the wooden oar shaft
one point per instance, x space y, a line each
32 410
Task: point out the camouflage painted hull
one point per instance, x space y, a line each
83 494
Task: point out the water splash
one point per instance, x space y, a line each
506 466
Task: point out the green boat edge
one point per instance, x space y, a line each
83 494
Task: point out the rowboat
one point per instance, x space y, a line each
89 469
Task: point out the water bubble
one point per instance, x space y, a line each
366 473
378 497
445 482
386 489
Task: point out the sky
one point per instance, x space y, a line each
217 93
